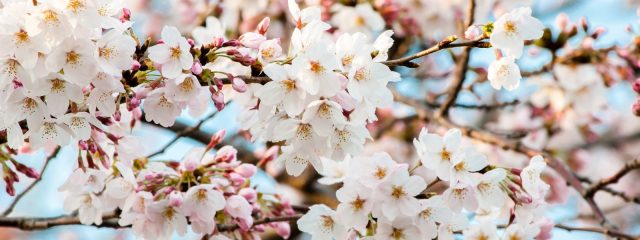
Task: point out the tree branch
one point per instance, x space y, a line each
600 185
444 44
182 133
461 68
33 184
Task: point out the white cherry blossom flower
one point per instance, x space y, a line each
513 28
285 89
49 21
102 100
465 164
350 46
201 204
21 43
324 116
397 195
173 53
88 205
371 171
459 197
302 17
361 18
368 80
57 92
349 139
80 124
238 207
52 131
504 73
432 211
269 51
322 223
482 231
519 231
168 218
436 153
488 191
296 161
531 180
356 203
115 52
381 46
208 35
160 109
333 171
315 69
11 69
402 228
76 58
457 222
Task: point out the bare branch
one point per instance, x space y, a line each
33 184
182 133
461 68
600 185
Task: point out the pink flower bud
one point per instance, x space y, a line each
117 115
133 103
160 41
636 108
175 199
191 42
196 68
249 193
126 15
263 26
136 65
246 170
598 32
283 229
217 138
561 21
473 32
546 229
218 100
239 85
636 86
83 145
237 179
252 40
232 43
584 23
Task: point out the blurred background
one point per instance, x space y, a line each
149 17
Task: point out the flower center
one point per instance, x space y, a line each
510 27
445 155
57 85
75 5
187 85
360 21
361 74
22 37
327 221
397 192
169 212
346 60
201 195
175 52
316 67
358 203
460 166
304 131
50 17
164 102
73 58
380 173
289 85
397 233
426 214
105 52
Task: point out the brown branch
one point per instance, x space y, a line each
232 227
33 184
444 44
477 107
109 220
461 68
630 166
603 231
182 133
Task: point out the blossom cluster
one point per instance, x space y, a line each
322 92
388 200
158 199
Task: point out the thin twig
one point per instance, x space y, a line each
630 166
444 44
33 184
461 68
183 133
232 227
